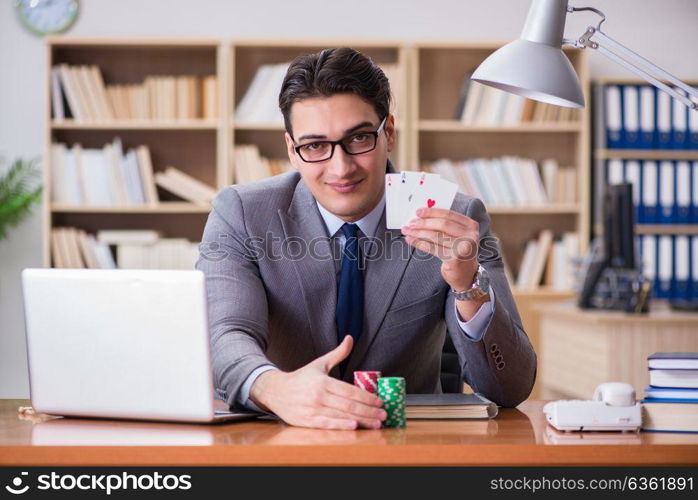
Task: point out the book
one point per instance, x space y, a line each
128 236
545 241
449 406
509 181
669 415
641 117
671 393
673 360
106 176
260 102
674 378
185 186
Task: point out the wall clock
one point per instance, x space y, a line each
44 17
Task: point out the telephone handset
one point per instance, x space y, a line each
613 408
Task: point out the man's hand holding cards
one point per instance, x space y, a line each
419 204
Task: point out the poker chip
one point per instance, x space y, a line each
393 392
367 380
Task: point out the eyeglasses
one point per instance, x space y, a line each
354 144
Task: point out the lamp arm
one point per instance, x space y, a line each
595 39
634 62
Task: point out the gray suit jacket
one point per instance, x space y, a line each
272 292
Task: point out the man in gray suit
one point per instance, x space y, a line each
306 285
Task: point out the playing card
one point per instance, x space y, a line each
392 201
433 192
400 189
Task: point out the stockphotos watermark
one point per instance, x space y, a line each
102 483
274 248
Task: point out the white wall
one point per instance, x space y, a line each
662 30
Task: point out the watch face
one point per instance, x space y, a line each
483 279
47 16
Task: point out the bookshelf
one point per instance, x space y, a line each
426 79
193 145
436 80
651 156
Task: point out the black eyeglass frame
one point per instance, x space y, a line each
340 142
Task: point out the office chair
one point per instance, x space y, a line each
451 380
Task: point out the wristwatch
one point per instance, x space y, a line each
479 289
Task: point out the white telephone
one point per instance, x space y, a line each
613 408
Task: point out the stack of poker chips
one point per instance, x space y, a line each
393 392
367 380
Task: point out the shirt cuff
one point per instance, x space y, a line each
244 394
477 326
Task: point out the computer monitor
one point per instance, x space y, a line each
619 226
612 275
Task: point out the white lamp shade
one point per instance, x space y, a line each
534 70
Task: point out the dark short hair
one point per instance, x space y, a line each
330 72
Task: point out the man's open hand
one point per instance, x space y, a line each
309 397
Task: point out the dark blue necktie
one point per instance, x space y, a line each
350 296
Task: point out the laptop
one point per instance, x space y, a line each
118 343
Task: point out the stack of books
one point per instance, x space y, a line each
510 181
135 249
114 177
549 261
260 103
74 248
481 105
642 117
80 92
251 166
671 400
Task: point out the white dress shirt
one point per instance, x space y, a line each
474 329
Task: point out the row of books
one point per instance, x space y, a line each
251 166
548 261
510 181
109 176
79 92
644 117
134 249
671 263
260 103
483 105
664 192
671 400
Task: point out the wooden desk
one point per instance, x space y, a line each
579 349
516 437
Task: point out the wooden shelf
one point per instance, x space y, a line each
251 127
542 291
136 125
669 229
258 126
646 154
456 126
165 207
666 228
553 208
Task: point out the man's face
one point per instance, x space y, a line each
349 186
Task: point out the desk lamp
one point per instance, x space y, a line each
535 67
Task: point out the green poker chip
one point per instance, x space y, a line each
393 392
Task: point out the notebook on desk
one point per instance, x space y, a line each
449 406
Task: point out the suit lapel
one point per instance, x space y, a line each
316 272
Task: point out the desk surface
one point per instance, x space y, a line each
659 312
516 437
